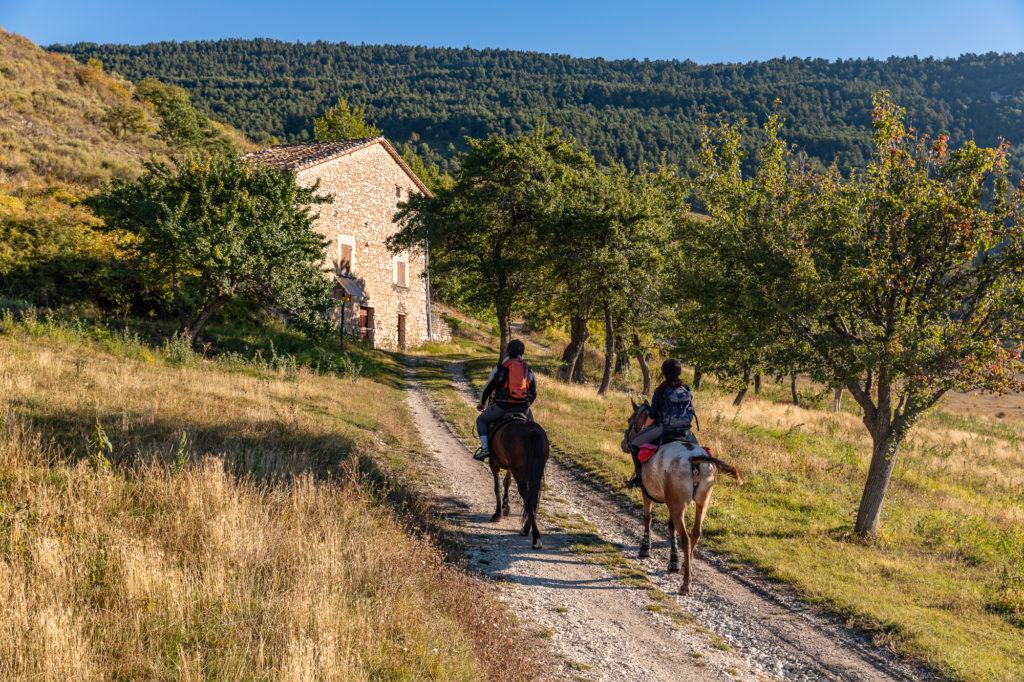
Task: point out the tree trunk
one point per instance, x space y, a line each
197 325
792 388
645 367
757 384
886 442
577 367
697 376
838 399
621 358
887 433
178 303
609 351
746 384
505 331
578 334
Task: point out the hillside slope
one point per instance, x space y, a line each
627 110
51 121
64 122
65 128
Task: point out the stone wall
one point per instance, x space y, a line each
367 185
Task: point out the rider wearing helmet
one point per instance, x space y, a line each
514 387
669 417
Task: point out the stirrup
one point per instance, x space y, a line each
633 482
481 454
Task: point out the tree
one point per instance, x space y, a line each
429 173
181 126
634 264
905 283
342 123
484 230
122 118
219 228
606 254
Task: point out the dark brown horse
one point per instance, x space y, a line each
521 448
678 473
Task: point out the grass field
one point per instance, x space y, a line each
164 517
944 581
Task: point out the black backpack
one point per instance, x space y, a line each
678 412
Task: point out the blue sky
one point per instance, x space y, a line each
708 31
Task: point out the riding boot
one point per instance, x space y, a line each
482 452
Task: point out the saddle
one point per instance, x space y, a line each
510 416
679 437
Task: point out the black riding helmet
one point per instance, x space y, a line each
671 369
516 348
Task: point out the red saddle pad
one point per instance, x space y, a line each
647 451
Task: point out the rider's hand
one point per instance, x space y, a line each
480 407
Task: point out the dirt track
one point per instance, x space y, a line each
604 628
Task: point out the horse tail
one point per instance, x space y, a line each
536 446
720 465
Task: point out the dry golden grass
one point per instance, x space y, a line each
233 529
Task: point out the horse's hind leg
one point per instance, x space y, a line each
497 493
702 498
645 542
684 539
521 487
506 509
536 531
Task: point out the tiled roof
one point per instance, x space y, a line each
296 157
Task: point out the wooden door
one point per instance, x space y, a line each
401 331
366 323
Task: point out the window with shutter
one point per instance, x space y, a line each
345 258
401 275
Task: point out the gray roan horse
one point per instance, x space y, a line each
676 474
521 447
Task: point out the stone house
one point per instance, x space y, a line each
384 298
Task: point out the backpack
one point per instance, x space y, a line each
678 412
517 380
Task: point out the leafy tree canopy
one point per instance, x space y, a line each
484 231
905 283
217 228
343 123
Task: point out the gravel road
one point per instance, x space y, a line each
747 627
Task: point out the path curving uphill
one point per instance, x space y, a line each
746 627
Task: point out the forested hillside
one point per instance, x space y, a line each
631 111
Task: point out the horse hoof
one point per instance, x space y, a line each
683 589
524 532
495 518
537 544
673 567
506 511
645 552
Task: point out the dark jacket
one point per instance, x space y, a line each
658 404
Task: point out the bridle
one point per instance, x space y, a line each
634 425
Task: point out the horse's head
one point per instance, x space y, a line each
636 422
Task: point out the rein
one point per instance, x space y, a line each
631 427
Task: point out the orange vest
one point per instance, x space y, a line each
517 380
